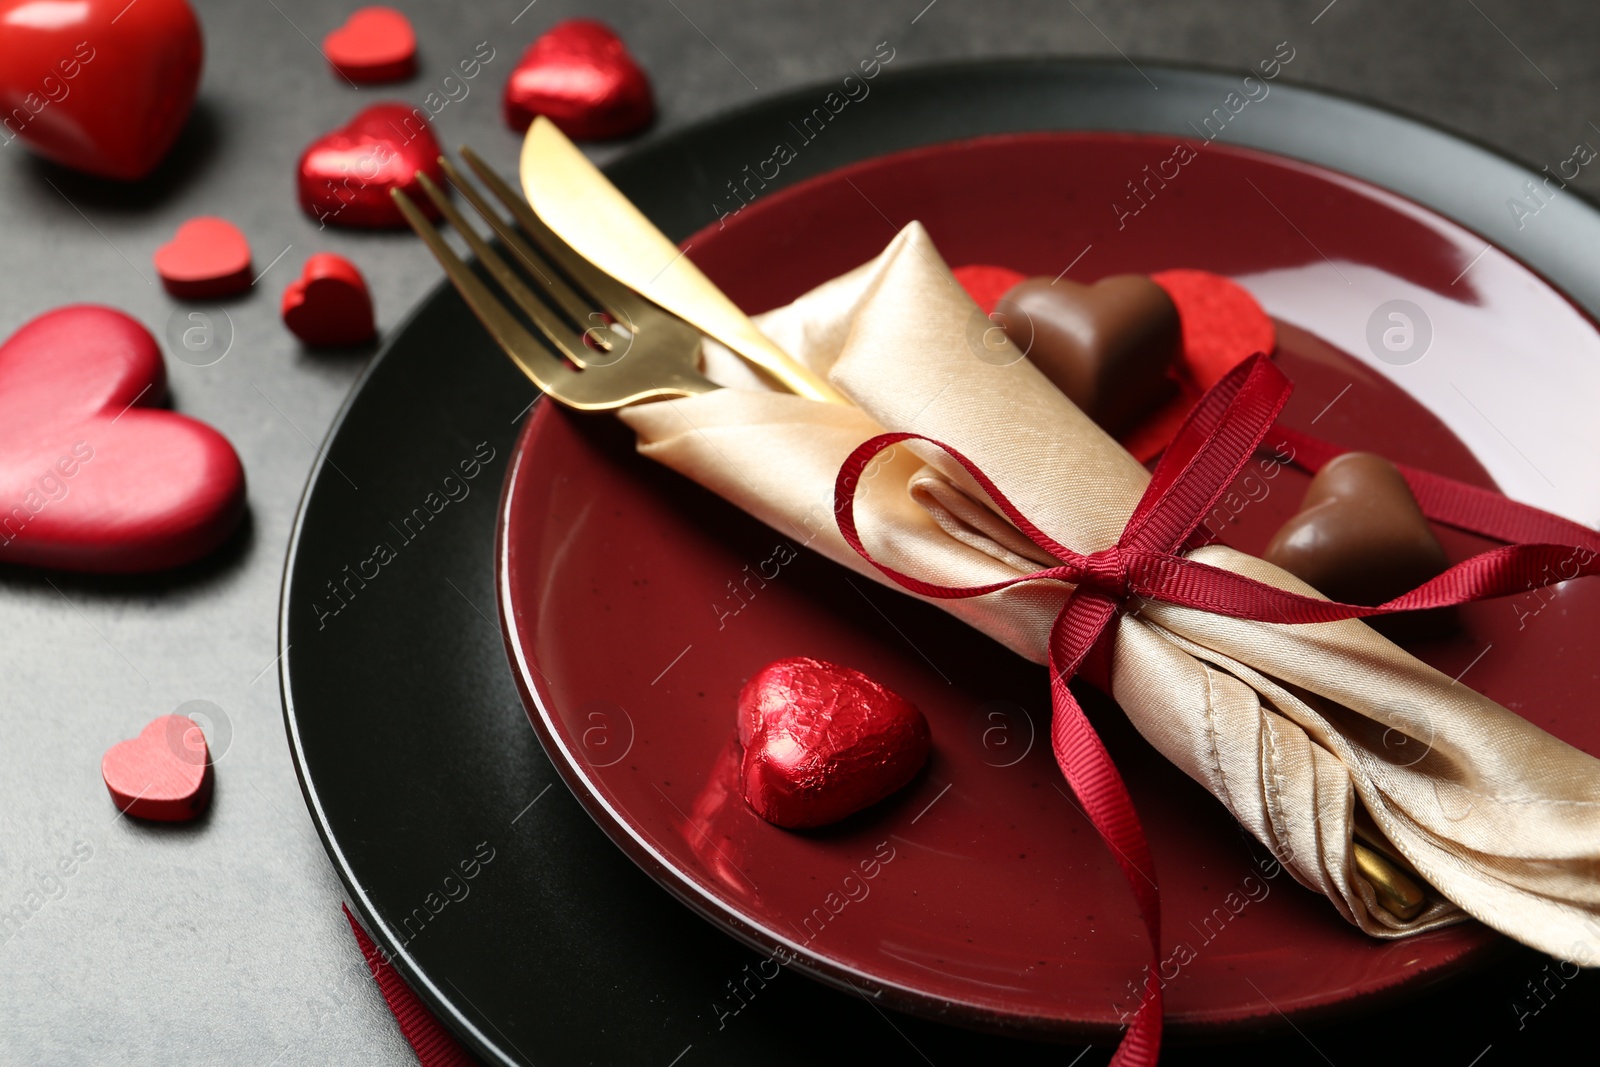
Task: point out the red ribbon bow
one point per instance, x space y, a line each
1219 437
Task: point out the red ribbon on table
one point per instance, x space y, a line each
434 1045
1220 436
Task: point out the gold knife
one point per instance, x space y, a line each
582 206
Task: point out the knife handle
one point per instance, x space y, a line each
592 215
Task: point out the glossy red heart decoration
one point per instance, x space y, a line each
822 741
329 305
164 774
376 44
103 86
208 257
93 476
581 77
345 176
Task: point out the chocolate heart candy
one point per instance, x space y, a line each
1359 537
1108 346
823 741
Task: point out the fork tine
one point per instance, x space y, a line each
503 274
534 360
560 293
622 303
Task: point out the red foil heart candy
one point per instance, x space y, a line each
93 475
345 176
823 741
164 774
103 86
376 44
329 305
581 77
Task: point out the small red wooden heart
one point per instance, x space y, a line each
94 477
376 44
822 741
1222 324
208 257
164 774
345 176
329 305
104 86
580 76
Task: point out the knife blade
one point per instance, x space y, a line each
581 205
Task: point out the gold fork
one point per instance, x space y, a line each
611 346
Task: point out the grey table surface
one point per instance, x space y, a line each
222 941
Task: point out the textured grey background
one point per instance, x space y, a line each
222 942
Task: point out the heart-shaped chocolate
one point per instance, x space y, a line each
1110 346
376 44
104 86
345 176
329 305
579 75
1359 537
164 774
208 257
94 476
822 741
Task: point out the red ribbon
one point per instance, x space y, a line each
1219 437
434 1045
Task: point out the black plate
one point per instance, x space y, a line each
410 741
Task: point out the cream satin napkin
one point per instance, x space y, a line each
1291 727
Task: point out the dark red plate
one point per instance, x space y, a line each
980 894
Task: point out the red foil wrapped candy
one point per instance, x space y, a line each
823 741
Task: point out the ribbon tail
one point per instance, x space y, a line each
434 1045
1211 449
1088 768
